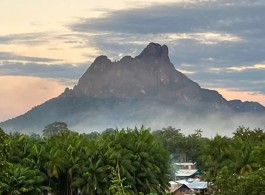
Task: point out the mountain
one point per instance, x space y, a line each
150 74
132 91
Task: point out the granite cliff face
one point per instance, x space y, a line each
146 89
150 74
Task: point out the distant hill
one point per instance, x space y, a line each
131 91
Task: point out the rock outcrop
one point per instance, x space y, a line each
150 74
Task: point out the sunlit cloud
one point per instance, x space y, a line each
55 71
205 38
186 72
241 68
25 38
10 57
60 47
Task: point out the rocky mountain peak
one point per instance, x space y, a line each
100 63
150 74
154 50
102 59
126 59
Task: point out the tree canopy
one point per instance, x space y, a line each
126 161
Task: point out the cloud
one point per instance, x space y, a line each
8 56
193 26
16 65
58 71
247 79
171 18
55 47
25 38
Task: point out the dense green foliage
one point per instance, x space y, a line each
232 165
65 162
128 161
235 165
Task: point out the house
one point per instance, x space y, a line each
182 190
192 174
190 178
186 165
187 171
179 189
199 187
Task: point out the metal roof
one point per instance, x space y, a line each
182 181
185 172
197 185
186 164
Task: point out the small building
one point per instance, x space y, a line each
199 187
186 165
186 171
179 189
189 177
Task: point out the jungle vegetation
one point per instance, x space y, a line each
128 161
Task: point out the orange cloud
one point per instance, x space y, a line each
20 93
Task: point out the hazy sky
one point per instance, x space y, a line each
46 46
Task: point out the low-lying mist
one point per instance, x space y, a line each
211 122
94 114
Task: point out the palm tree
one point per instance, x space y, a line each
23 180
150 161
244 158
215 155
4 145
94 174
54 165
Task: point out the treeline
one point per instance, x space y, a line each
231 165
235 165
131 161
65 162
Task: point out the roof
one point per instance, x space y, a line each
182 181
187 172
185 164
177 188
197 185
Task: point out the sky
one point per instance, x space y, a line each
45 46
